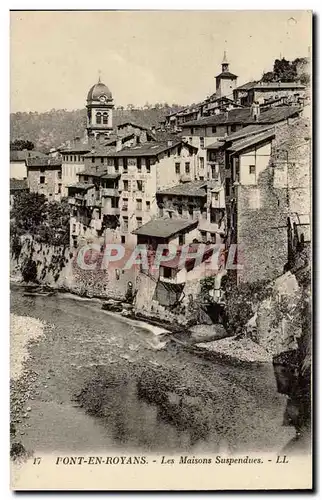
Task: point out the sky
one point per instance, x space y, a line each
156 56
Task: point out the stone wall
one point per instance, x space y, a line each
58 267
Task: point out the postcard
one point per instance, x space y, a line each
160 250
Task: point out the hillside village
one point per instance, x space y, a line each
222 187
231 172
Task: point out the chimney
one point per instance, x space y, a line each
118 144
169 144
77 140
255 110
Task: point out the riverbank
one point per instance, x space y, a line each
24 332
96 382
209 341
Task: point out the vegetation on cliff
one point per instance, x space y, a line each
289 71
47 222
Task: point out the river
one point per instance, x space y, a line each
102 383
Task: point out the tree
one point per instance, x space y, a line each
20 145
47 222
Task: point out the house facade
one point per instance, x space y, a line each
125 183
44 176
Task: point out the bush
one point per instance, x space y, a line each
29 271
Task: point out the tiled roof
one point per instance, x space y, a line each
81 185
195 188
44 161
18 184
111 176
278 85
216 145
242 116
270 85
226 74
108 147
133 124
250 141
94 171
23 155
246 86
148 149
164 228
249 130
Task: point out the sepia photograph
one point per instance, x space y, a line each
160 250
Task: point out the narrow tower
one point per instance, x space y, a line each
226 82
100 107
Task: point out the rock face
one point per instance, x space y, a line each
277 322
61 267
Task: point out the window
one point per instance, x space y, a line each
187 167
203 235
105 118
181 239
177 165
190 210
233 128
79 158
180 209
59 174
85 178
190 140
139 221
216 196
214 130
125 204
201 162
75 158
74 228
42 170
148 165
252 169
138 162
201 178
125 165
139 204
98 118
42 179
167 272
71 158
102 160
93 159
59 188
139 186
227 187
114 202
116 165
202 142
191 131
126 185
123 240
148 206
125 224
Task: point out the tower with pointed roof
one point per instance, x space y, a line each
100 107
226 82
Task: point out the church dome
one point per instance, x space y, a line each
97 91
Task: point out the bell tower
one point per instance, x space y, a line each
226 82
100 107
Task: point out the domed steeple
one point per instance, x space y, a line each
99 110
98 92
